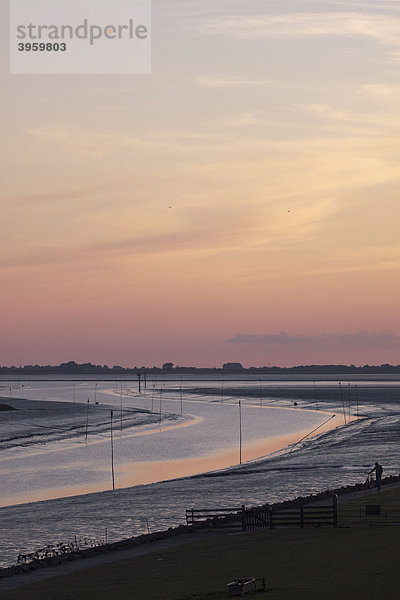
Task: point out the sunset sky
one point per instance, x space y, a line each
272 129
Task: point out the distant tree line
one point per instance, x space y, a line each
73 368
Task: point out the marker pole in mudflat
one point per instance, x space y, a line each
342 399
121 408
315 395
240 432
312 431
112 452
87 420
349 402
159 421
357 400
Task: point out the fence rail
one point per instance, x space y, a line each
356 513
265 517
214 517
302 516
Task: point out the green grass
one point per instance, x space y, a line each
352 512
391 496
317 563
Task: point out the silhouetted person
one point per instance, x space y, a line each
378 473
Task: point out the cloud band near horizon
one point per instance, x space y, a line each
382 339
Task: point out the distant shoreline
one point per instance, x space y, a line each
90 370
8 380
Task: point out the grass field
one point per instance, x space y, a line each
354 512
314 563
387 496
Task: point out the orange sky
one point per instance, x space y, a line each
272 131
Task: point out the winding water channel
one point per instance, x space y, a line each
211 433
66 467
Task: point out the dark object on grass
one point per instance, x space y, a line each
244 585
373 509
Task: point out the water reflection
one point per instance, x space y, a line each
133 473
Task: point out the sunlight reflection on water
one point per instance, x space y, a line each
340 456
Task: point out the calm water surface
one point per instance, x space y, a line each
340 456
206 436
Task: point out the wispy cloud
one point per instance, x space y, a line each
195 234
58 196
97 144
215 81
357 123
379 339
391 5
328 112
382 91
257 119
382 28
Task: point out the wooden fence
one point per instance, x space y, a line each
302 516
265 517
361 513
215 517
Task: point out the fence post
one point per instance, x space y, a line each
335 509
301 516
271 524
243 518
191 525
